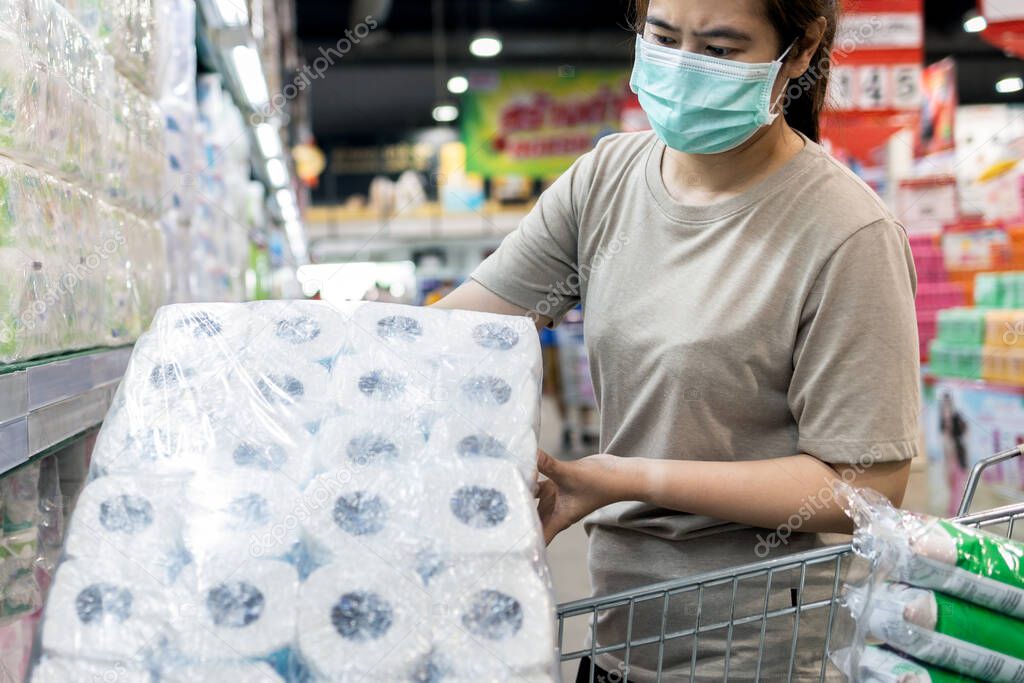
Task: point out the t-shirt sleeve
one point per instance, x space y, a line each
855 390
537 266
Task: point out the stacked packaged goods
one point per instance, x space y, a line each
81 181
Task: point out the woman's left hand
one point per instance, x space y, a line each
576 488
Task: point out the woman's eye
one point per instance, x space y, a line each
718 51
664 40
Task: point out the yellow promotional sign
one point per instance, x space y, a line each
536 123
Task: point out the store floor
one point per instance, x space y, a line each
567 555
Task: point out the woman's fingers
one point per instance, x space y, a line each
547 465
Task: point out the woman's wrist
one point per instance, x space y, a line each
622 479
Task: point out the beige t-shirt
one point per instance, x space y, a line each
777 322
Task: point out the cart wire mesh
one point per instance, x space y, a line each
822 566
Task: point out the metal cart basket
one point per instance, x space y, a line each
768 618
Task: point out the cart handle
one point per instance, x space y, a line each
975 477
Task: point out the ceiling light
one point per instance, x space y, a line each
277 173
974 23
286 202
1010 84
446 113
458 85
485 44
268 140
250 75
232 13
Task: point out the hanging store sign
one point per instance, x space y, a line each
1005 20
878 57
536 123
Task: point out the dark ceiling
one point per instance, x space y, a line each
387 82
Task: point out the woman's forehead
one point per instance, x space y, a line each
692 16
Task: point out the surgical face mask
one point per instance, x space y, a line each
703 105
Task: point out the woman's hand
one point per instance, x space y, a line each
574 489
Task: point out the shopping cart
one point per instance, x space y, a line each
834 560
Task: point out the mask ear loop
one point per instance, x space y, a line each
782 61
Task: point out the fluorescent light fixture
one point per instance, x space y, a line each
277 173
446 113
250 75
485 44
297 241
1010 84
974 23
286 202
268 140
232 13
458 85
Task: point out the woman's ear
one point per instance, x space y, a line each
805 48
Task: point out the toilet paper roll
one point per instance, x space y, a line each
361 441
500 339
362 513
480 508
238 608
455 440
438 666
408 329
207 331
249 444
381 383
287 389
62 670
251 515
362 621
247 672
137 439
503 609
104 609
493 395
134 519
312 330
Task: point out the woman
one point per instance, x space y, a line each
750 321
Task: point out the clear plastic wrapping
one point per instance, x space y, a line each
79 272
948 596
313 494
65 109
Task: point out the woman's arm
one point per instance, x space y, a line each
762 493
472 296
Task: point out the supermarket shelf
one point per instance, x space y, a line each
45 403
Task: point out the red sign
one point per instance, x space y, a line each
1005 24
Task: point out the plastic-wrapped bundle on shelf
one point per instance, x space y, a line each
80 272
269 467
128 30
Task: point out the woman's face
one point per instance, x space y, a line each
735 30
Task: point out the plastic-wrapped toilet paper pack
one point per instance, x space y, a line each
135 519
362 620
106 610
253 515
62 670
332 477
233 608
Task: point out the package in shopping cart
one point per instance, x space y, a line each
945 594
933 553
342 494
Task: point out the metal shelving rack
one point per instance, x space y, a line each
47 402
